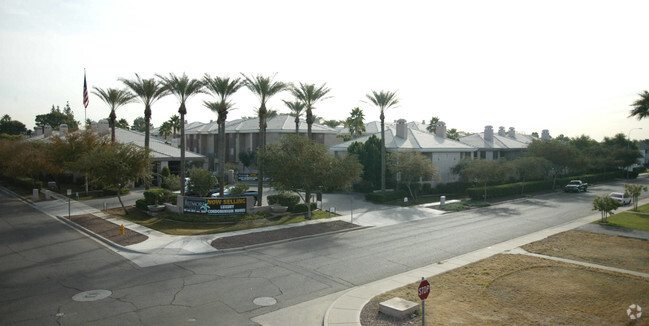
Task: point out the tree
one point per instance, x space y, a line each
201 182
264 88
11 127
530 168
369 155
453 134
605 205
561 154
296 108
309 94
221 88
356 122
331 123
247 158
412 167
25 159
56 117
300 165
114 98
122 123
483 171
641 106
432 125
148 92
634 191
64 152
165 129
175 123
115 165
383 100
183 88
139 124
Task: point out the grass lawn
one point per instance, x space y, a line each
163 222
630 219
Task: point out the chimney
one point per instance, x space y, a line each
63 128
489 133
545 134
501 131
93 126
38 130
423 122
47 131
512 132
103 128
402 129
440 129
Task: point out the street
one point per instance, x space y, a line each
45 263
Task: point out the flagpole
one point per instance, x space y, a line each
85 116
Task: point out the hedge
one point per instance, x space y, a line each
301 208
156 195
382 197
284 199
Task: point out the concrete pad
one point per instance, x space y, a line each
339 316
308 313
398 307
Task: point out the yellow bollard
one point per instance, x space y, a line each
121 229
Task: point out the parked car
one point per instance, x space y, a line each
620 198
576 186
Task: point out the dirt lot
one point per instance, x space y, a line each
522 290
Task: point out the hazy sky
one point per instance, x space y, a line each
573 67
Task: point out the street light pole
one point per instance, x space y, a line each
628 146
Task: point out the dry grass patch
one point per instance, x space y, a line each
631 254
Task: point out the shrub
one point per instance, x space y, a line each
301 208
173 199
113 191
284 199
156 196
27 183
427 189
141 205
165 172
364 186
239 189
379 197
171 182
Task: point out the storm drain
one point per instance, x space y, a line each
92 295
264 301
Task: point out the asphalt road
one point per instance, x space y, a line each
44 264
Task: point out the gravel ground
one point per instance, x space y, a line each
108 230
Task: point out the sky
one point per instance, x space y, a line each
572 67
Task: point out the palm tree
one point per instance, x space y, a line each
264 88
432 125
296 108
165 129
309 94
641 106
114 98
183 88
384 100
149 91
175 123
356 123
221 88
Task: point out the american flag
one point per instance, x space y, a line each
85 91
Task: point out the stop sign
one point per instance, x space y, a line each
423 290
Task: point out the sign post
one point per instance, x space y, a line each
69 197
422 291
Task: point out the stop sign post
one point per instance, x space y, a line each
422 291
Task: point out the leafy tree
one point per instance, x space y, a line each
183 88
264 88
139 124
369 155
383 100
222 88
561 154
300 165
634 191
296 108
201 182
605 205
483 171
114 98
247 158
11 127
239 189
412 166
530 168
535 134
432 125
122 123
56 117
641 106
356 122
115 165
309 94
25 159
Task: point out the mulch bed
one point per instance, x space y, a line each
108 230
281 234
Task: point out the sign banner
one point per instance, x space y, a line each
215 206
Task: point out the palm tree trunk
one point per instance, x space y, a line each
112 117
297 126
182 154
309 122
382 152
147 119
262 146
222 158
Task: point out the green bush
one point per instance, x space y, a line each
27 183
364 186
239 189
301 208
380 197
173 199
156 196
284 199
426 189
141 205
165 172
113 191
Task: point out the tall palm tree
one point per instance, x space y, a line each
383 100
175 124
355 122
432 125
641 106
221 88
149 91
183 88
296 108
264 88
165 129
114 98
309 94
